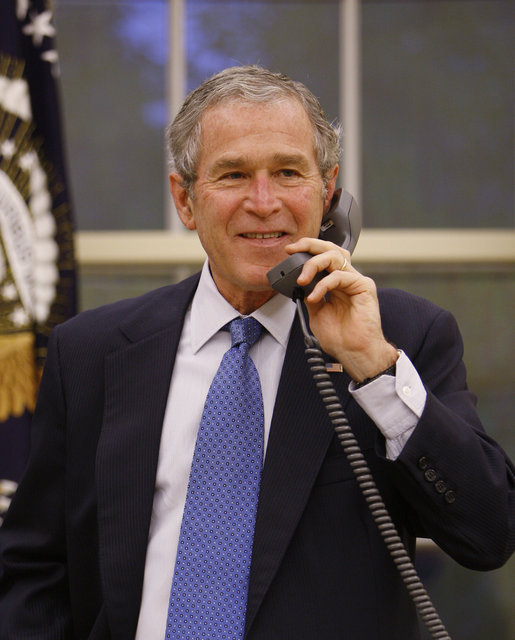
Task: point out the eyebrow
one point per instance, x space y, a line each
295 159
230 163
279 159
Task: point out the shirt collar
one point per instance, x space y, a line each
210 311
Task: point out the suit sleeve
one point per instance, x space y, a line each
457 480
33 576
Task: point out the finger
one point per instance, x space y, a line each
337 282
341 261
334 259
315 246
344 265
345 284
311 245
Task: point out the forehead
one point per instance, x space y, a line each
239 126
234 105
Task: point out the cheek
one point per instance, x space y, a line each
214 209
308 212
212 225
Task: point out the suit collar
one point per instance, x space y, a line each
159 310
210 311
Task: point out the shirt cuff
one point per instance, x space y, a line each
394 403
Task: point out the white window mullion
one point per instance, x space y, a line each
350 95
176 90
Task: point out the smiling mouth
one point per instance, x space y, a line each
263 236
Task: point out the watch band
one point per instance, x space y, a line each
390 371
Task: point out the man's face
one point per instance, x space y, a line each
258 189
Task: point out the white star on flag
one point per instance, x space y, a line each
22 8
19 317
7 149
52 57
9 292
27 161
39 27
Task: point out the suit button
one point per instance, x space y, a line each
430 475
423 462
450 497
440 486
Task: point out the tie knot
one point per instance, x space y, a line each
245 330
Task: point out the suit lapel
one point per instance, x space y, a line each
137 382
299 438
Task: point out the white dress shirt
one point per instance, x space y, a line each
393 408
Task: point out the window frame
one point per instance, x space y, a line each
174 246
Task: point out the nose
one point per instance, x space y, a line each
261 198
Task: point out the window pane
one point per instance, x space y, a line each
296 38
113 58
438 104
484 311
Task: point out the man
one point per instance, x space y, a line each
93 536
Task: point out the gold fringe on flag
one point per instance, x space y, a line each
18 375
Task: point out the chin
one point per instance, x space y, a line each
256 280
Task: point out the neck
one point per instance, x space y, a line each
249 301
245 301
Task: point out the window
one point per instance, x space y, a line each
435 138
113 59
438 104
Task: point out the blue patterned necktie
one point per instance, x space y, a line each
208 598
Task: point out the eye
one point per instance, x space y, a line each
289 173
233 175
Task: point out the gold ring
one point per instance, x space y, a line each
342 268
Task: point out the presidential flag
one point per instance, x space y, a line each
37 271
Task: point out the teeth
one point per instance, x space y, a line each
262 236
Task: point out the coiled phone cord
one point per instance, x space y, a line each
368 487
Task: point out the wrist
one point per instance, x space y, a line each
390 371
384 365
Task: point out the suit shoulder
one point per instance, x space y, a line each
406 316
394 301
112 315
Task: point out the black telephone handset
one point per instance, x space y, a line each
341 225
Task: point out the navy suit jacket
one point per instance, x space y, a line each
74 541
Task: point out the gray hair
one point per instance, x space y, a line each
247 84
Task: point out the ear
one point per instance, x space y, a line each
330 186
182 201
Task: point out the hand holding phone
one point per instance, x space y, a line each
348 322
341 225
